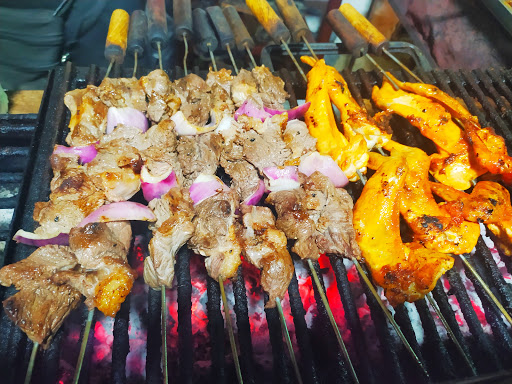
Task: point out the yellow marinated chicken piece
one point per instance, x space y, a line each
350 151
453 165
406 271
489 202
431 224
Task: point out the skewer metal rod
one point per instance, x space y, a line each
361 177
229 326
135 63
402 65
433 304
395 85
85 338
294 60
381 151
286 335
232 58
110 65
333 322
309 47
212 57
31 362
486 288
159 47
185 55
163 312
250 55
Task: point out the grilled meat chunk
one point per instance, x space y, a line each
265 247
198 154
88 116
163 103
215 234
122 92
106 278
270 87
174 213
318 216
244 177
40 306
243 86
195 98
297 138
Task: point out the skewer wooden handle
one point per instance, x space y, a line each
115 46
137 32
183 24
242 36
376 39
224 34
350 37
294 20
204 33
157 22
268 18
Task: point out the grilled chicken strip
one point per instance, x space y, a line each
41 306
174 212
105 278
488 203
409 271
454 165
431 224
215 236
318 216
265 247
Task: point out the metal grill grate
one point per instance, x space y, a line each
486 93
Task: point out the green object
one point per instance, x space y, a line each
4 101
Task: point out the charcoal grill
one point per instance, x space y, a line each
377 354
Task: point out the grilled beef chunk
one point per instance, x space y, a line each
270 87
40 306
244 85
88 116
297 139
265 247
106 278
215 234
198 154
162 101
122 92
195 98
318 216
73 197
173 228
244 177
221 78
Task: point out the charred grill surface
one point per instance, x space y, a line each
486 93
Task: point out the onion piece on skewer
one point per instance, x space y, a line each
153 187
36 240
205 186
184 128
123 210
294 113
325 165
250 109
256 196
282 178
86 153
127 116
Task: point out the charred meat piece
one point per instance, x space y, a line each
198 154
196 101
40 306
222 78
174 213
215 234
297 138
244 177
88 116
122 92
265 247
163 103
243 86
270 87
318 216
105 278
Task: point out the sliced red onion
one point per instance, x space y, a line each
184 128
282 178
86 153
250 109
36 240
294 113
127 116
256 196
123 210
155 187
205 186
325 165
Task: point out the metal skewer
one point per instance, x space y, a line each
185 55
163 312
229 326
333 321
137 37
31 362
83 346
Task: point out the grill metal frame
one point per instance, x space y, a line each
319 358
